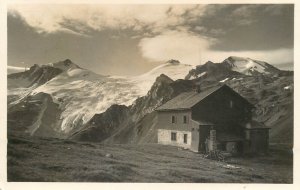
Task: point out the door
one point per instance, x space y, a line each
203 135
185 138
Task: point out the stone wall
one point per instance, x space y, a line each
164 137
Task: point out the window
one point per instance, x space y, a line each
185 138
173 119
231 104
173 136
184 119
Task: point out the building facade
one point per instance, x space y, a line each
217 118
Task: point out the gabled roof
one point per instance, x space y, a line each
187 100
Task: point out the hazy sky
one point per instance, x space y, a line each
131 39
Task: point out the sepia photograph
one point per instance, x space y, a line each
150 93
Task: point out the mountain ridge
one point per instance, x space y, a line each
234 67
81 93
86 113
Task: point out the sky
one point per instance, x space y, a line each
132 39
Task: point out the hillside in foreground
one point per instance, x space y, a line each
40 160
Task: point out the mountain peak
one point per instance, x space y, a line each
64 65
163 78
173 61
250 66
236 58
67 61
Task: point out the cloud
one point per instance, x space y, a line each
182 45
165 30
194 49
53 18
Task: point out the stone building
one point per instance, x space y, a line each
216 118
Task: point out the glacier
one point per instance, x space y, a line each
81 93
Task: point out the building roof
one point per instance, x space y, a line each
187 100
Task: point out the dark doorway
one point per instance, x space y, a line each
203 135
185 138
240 147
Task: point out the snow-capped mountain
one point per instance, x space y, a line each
249 66
63 100
172 68
81 93
233 67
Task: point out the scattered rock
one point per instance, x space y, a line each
109 155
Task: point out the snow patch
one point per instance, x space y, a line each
247 66
174 71
287 87
199 75
224 80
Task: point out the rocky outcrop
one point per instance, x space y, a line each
211 72
36 76
35 116
102 126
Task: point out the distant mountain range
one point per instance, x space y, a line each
64 100
234 66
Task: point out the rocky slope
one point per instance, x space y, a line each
274 101
102 125
22 84
37 115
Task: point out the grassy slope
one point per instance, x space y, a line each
58 160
